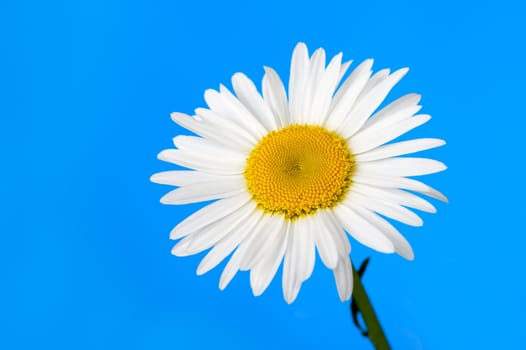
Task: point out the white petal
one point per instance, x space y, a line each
259 245
398 182
246 254
317 67
186 122
347 94
400 109
248 94
373 137
393 211
184 177
343 69
209 235
292 264
307 248
208 163
274 94
265 269
244 140
209 214
399 148
343 276
377 78
402 166
299 74
181 248
337 232
231 268
211 132
395 196
193 144
401 245
227 244
363 68
410 200
431 192
325 90
228 186
362 230
325 242
226 105
204 238
368 103
194 124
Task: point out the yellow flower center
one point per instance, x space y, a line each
299 169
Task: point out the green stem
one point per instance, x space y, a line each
374 329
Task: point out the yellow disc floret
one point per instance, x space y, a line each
299 169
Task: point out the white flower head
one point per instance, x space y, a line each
291 175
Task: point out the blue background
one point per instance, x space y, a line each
86 92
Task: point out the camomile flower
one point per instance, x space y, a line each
291 173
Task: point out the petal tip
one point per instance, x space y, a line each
162 155
257 290
167 199
368 63
174 234
155 178
200 270
300 49
177 250
300 45
175 116
237 76
407 254
344 298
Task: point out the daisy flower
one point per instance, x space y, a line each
291 174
